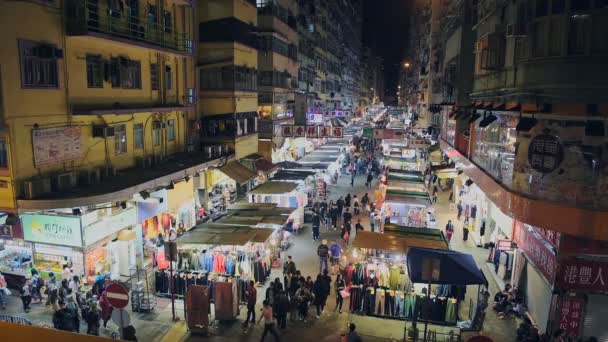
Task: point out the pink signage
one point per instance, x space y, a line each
540 252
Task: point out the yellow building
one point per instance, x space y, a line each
90 90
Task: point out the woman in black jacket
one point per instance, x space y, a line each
340 285
320 290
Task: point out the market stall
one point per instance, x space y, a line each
285 195
402 163
15 255
377 272
411 209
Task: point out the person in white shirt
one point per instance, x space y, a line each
74 285
66 273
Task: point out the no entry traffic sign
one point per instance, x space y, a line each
118 296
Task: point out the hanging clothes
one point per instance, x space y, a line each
450 311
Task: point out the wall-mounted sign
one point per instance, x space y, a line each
56 145
537 249
109 225
337 132
286 131
545 153
323 131
51 229
571 312
299 131
312 131
418 143
156 204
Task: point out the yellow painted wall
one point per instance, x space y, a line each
213 177
246 145
227 52
182 192
218 9
223 102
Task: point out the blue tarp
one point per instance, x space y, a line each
454 268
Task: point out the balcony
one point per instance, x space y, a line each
228 30
91 18
171 104
229 126
237 78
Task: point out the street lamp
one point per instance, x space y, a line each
406 64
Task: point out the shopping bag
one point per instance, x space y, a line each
345 293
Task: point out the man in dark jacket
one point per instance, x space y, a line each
251 295
281 303
340 205
347 217
316 223
323 253
289 266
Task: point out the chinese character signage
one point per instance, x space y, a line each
311 131
299 131
571 312
287 131
323 132
418 143
51 229
545 153
537 249
337 132
582 275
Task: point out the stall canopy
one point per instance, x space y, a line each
226 236
275 188
289 165
405 172
238 172
398 243
265 165
292 175
397 177
435 266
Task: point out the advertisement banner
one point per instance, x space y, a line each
576 274
537 249
50 229
56 145
570 316
109 225
312 131
577 245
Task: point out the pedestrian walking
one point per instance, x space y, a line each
251 294
4 292
459 208
335 251
378 221
106 308
347 217
449 230
269 323
372 220
66 319
369 180
352 334
340 285
358 226
364 203
345 235
323 253
435 190
347 201
320 291
316 223
289 267
52 286
333 213
356 205
352 180
281 304
465 230
26 295
91 316
303 296
340 205
36 287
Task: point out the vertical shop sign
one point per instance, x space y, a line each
570 315
537 249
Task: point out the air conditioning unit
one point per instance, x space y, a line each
37 187
89 177
65 181
108 172
102 131
144 162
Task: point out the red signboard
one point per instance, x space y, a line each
323 132
576 245
118 296
337 132
571 312
583 275
537 249
287 131
311 131
299 131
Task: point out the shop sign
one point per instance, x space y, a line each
418 143
299 131
51 229
570 316
576 274
157 204
576 245
368 133
537 249
545 153
313 131
11 231
109 225
378 133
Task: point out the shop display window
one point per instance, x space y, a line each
495 148
49 258
15 257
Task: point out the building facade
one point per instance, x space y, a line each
523 118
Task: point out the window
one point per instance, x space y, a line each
156 133
38 64
168 77
94 71
154 76
168 22
138 136
120 139
125 73
171 130
3 154
577 35
190 95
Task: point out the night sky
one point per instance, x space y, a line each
385 27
